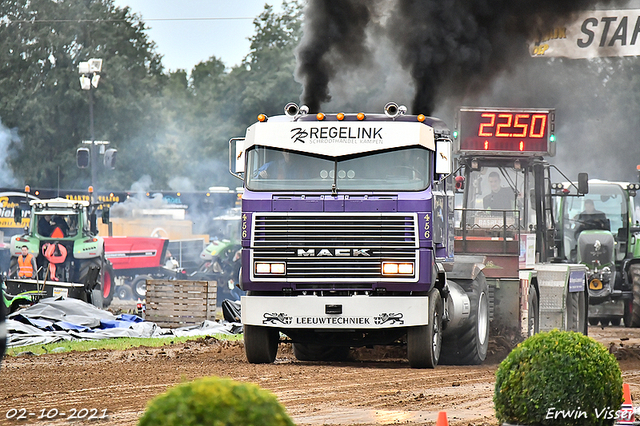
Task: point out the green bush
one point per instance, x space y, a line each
214 401
558 378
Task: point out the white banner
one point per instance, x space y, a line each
593 34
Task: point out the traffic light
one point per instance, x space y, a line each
83 158
110 158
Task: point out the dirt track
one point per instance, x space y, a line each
368 391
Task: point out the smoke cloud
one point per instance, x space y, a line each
449 48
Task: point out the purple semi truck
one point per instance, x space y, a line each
347 224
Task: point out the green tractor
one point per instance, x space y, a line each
601 230
63 237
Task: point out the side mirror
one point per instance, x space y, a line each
236 157
17 215
443 157
583 183
105 215
459 183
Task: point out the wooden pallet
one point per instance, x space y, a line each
173 303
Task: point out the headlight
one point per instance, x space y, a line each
263 268
390 268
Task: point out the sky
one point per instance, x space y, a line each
187 32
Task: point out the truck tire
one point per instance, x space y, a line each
534 311
469 344
634 274
139 286
424 342
260 344
314 352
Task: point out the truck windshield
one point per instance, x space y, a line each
405 169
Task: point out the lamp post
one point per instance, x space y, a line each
89 78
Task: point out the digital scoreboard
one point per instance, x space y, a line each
503 131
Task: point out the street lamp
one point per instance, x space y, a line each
89 78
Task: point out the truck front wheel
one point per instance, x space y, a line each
260 344
424 342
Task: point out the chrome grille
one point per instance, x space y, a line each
329 246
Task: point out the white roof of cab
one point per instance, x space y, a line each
339 138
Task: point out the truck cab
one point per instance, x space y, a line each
347 220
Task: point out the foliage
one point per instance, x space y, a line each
558 371
43 43
165 125
215 401
108 344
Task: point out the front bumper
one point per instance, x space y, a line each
335 312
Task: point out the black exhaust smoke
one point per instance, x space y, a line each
451 48
334 36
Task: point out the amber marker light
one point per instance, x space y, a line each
90 189
361 116
27 188
262 118
340 116
320 116
421 118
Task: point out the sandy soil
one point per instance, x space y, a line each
377 388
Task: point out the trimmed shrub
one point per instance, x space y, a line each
214 401
558 378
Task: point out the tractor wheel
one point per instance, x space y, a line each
124 292
139 286
108 286
102 296
261 344
424 342
314 352
634 273
628 313
13 267
469 344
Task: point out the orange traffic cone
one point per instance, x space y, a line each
627 416
442 419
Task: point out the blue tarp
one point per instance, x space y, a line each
55 319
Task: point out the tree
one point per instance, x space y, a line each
42 44
220 103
